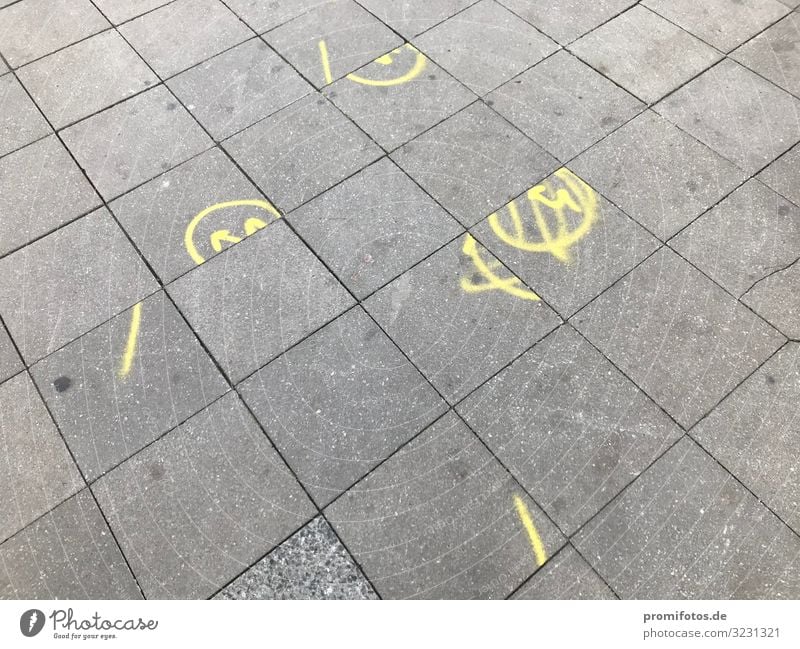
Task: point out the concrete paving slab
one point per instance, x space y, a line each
753 433
749 235
454 325
569 426
119 12
134 141
567 20
59 287
777 299
677 335
10 362
67 554
720 23
474 162
737 113
394 114
412 17
20 121
775 54
351 37
184 33
657 174
32 28
783 175
485 45
439 520
43 188
570 254
312 564
329 432
637 51
37 471
238 88
108 409
301 151
201 504
564 105
565 576
688 530
258 299
263 16
373 227
158 214
92 75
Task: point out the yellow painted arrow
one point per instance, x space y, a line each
219 236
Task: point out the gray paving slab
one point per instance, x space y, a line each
412 17
745 118
84 78
238 88
20 121
775 54
183 33
10 362
67 554
60 287
454 325
329 431
158 214
657 174
258 299
37 471
474 162
564 105
301 151
108 409
119 12
200 505
753 433
687 529
637 51
749 235
777 299
373 227
570 253
32 28
565 576
508 45
43 188
677 335
312 564
352 37
569 426
439 520
394 114
134 141
566 20
263 16
720 23
783 175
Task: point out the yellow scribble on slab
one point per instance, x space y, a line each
130 345
533 536
386 59
490 280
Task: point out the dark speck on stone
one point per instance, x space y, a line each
157 471
172 106
489 102
62 383
432 77
783 210
770 379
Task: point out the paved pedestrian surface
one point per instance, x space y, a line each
400 299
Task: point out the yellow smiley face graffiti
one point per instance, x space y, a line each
407 58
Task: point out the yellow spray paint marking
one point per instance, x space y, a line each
251 225
530 528
130 346
386 59
491 281
576 197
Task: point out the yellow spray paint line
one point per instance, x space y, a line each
130 346
326 63
530 528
